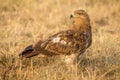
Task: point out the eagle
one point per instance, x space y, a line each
70 43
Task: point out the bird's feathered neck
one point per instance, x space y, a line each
82 27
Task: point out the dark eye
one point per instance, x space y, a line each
71 16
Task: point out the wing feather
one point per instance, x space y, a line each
65 42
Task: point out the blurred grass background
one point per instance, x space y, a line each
23 22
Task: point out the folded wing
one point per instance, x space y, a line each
66 42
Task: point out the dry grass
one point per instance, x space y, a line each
22 22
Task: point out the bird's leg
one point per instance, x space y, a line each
80 56
71 61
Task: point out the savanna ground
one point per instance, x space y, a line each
23 22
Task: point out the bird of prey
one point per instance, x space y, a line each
69 43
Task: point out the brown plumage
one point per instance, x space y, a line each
70 43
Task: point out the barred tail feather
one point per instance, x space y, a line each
31 51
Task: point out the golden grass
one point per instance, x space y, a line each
23 22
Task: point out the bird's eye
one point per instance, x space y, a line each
71 16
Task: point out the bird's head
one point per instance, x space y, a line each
80 19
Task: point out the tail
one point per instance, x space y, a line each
31 51
28 52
